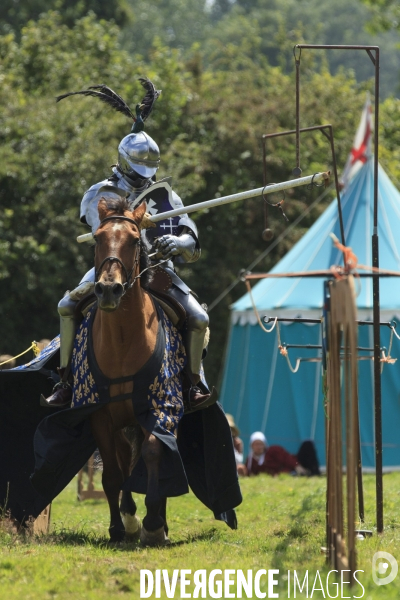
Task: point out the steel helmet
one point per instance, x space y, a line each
138 152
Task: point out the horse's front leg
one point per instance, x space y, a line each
163 513
127 506
112 478
153 532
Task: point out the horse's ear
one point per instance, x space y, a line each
102 208
139 212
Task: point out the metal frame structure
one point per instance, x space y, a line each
373 54
327 131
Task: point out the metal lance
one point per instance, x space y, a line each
317 178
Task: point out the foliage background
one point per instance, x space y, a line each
226 71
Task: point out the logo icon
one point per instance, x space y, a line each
384 568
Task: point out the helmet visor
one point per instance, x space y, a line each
144 170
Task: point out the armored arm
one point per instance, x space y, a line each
185 246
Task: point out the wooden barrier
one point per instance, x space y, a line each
89 492
342 424
41 525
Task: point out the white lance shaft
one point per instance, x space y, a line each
269 189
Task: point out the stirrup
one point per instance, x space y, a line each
65 394
192 404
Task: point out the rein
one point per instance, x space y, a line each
128 283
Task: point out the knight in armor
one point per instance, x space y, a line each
174 240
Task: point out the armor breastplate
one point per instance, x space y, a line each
89 211
159 198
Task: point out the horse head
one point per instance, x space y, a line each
117 251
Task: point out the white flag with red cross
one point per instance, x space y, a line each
362 145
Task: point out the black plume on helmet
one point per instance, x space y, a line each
107 95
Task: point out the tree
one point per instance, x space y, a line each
15 14
385 14
49 157
208 123
279 24
176 23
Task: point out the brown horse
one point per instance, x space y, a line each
124 337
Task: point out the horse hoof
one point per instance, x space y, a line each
154 538
133 526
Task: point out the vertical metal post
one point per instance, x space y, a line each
331 141
297 170
376 314
264 143
361 511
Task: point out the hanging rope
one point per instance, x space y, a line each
349 258
393 328
388 359
256 311
284 351
33 347
281 347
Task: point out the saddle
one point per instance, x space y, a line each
83 305
158 288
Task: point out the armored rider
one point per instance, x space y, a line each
173 240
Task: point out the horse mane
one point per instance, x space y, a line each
120 206
117 205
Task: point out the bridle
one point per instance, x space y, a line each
128 274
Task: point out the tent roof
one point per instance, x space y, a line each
315 251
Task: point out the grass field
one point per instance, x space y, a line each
281 526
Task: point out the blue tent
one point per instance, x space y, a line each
259 389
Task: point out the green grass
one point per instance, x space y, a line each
281 526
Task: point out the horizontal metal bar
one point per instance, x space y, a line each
267 320
316 347
294 320
319 358
321 274
329 47
292 131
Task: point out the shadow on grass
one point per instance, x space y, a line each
69 537
205 536
300 529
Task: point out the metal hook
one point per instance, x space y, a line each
296 47
278 204
313 184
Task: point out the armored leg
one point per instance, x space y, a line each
198 396
62 392
195 331
197 323
66 310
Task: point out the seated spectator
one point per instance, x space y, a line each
7 362
43 343
237 445
275 459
